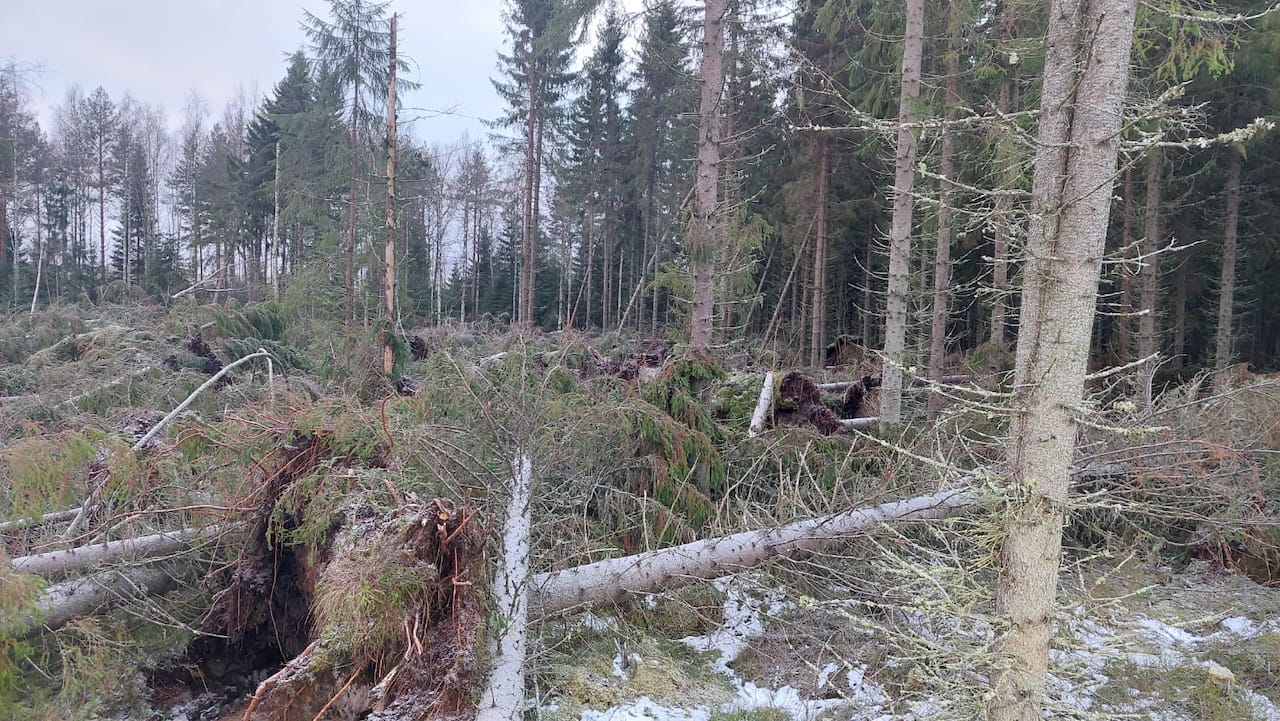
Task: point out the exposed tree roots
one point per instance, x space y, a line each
800 400
376 617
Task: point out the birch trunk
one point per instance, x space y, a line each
1227 280
1124 320
1085 80
895 317
704 233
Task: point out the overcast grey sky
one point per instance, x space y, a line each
158 50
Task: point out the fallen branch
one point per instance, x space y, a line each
763 405
196 285
669 568
859 423
142 443
90 506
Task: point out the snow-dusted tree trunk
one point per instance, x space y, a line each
895 316
503 696
1085 79
704 235
1227 280
763 405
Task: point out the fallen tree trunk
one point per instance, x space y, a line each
60 603
143 548
19 524
572 588
839 386
614 579
763 406
503 695
661 570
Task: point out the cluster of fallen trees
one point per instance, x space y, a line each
411 674
425 666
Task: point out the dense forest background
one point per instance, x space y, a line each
582 195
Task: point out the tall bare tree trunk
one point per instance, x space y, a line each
818 326
389 252
1227 279
350 276
102 209
1086 75
1147 325
40 246
1007 167
530 231
1124 321
277 250
867 279
942 250
895 315
704 235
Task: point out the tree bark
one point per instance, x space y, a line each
1085 80
61 603
1150 278
389 252
56 564
350 276
895 317
704 235
530 230
1124 313
763 405
1227 279
277 250
818 326
1007 167
942 249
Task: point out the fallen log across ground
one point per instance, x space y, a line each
19 524
665 569
61 603
840 386
55 564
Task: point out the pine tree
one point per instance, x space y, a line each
660 135
535 73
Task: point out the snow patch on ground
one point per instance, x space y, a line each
1087 649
